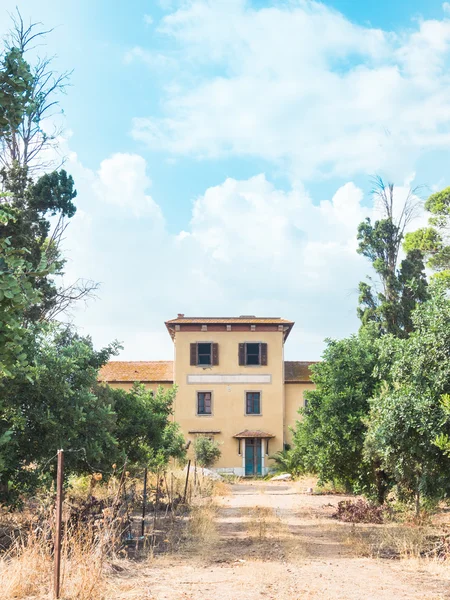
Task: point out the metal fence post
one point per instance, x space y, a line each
59 500
144 503
187 481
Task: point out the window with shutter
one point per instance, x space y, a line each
204 354
204 403
252 354
253 403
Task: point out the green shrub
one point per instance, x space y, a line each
207 451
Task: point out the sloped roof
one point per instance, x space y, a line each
161 371
182 321
255 433
158 371
297 371
250 319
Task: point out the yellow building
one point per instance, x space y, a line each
233 385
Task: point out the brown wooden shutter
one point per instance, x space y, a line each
193 355
264 354
241 354
215 354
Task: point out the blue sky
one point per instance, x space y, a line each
223 151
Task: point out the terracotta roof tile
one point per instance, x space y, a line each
160 371
296 371
242 320
253 434
229 320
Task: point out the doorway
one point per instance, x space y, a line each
253 457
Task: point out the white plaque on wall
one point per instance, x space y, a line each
227 379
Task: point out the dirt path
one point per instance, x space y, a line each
270 541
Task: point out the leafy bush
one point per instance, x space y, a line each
287 461
207 451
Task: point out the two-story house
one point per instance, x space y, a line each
233 385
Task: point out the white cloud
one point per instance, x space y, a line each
154 60
148 19
324 97
278 243
123 181
249 248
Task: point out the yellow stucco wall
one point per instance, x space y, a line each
228 400
279 401
294 399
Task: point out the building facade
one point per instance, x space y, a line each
233 384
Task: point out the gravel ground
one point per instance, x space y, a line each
271 540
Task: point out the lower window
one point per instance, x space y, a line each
253 403
204 403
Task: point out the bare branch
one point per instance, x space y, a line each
23 144
21 36
80 290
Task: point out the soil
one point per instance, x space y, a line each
273 540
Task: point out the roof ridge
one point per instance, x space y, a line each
228 317
304 362
139 361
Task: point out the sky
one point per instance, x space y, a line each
223 153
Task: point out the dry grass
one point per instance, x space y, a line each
26 570
260 521
201 531
263 524
396 541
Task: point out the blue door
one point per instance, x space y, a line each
252 457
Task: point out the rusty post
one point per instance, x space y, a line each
59 501
187 481
144 503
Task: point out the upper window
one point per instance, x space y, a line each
204 354
253 403
253 353
204 403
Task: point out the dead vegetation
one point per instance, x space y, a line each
258 532
400 541
360 511
102 532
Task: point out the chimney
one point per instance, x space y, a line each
180 316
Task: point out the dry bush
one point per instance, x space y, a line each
258 521
26 569
360 511
95 516
201 531
221 488
263 523
400 541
